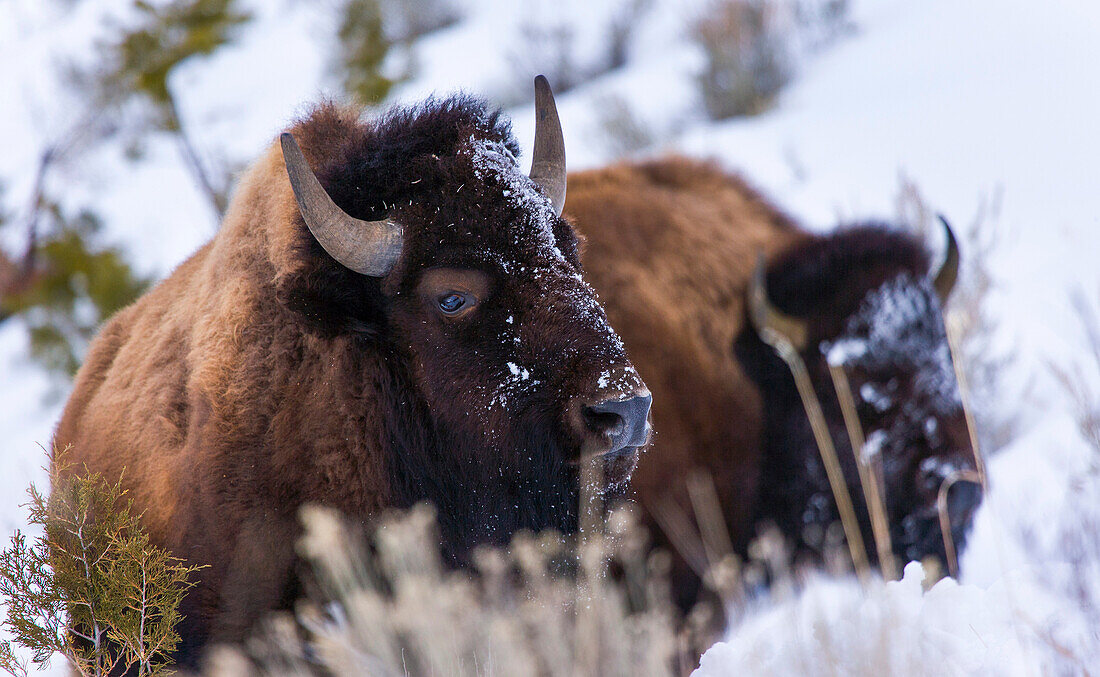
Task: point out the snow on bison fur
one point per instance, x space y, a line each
671 246
407 322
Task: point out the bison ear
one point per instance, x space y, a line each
367 247
943 280
548 158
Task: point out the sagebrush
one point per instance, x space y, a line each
546 605
91 587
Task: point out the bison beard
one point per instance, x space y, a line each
266 372
527 485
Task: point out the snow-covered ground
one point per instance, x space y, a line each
965 98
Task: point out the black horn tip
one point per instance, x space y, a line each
948 232
544 97
945 277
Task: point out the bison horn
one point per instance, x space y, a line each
367 247
943 281
769 321
548 159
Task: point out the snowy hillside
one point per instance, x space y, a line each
964 98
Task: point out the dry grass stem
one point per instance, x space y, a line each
869 479
827 450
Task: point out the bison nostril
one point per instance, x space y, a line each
622 421
603 422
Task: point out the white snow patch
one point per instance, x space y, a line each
521 372
833 626
873 445
516 381
845 350
872 393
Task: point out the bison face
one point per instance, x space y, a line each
896 354
520 375
493 348
858 310
510 345
502 371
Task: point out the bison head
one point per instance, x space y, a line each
864 314
420 236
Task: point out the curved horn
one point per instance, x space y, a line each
548 159
943 280
367 247
769 321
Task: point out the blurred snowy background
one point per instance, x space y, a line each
125 121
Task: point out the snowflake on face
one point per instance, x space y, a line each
899 329
494 164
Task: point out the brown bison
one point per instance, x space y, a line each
671 246
392 312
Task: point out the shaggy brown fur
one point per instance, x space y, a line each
262 375
670 245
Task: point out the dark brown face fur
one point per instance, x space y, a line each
873 311
496 339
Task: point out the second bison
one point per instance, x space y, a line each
671 246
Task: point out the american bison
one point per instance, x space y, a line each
391 312
671 246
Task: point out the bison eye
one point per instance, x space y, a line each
452 302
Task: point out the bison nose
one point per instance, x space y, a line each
622 421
